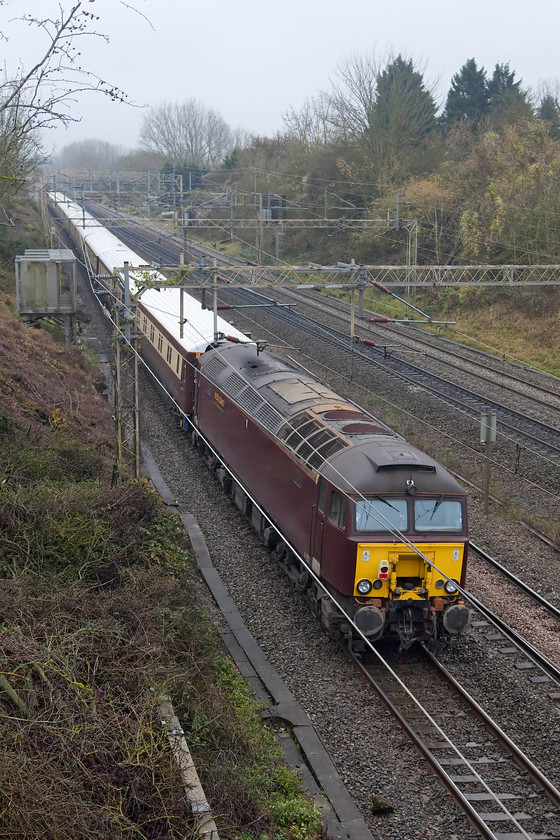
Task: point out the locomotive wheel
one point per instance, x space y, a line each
302 579
279 552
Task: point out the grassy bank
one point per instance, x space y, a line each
521 324
100 615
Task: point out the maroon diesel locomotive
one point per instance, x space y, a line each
382 525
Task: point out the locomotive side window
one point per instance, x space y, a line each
438 515
381 514
322 497
338 509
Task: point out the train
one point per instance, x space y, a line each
372 529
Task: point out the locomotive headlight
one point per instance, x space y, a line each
440 583
451 587
364 586
377 584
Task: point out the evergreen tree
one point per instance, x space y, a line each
468 95
404 115
548 110
507 102
405 112
502 81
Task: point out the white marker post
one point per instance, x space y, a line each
487 436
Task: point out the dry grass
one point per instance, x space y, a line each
81 646
99 615
520 324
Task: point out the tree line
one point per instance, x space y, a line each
475 173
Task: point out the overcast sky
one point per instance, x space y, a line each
251 60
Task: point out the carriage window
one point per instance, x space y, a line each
338 509
160 343
380 514
152 333
322 497
169 353
438 515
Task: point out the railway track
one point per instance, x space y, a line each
516 581
502 793
542 395
496 371
531 433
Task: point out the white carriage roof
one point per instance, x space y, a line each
104 244
162 304
198 323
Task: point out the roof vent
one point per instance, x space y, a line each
343 414
362 429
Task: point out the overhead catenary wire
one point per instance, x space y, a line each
461 443
419 705
506 437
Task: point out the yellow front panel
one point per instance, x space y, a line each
402 562
410 565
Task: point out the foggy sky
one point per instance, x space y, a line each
251 61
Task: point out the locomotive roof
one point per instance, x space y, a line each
385 465
163 305
351 448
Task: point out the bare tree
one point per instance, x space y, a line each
187 133
353 99
90 154
312 125
42 94
385 111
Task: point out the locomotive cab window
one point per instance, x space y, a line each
381 514
337 512
438 515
